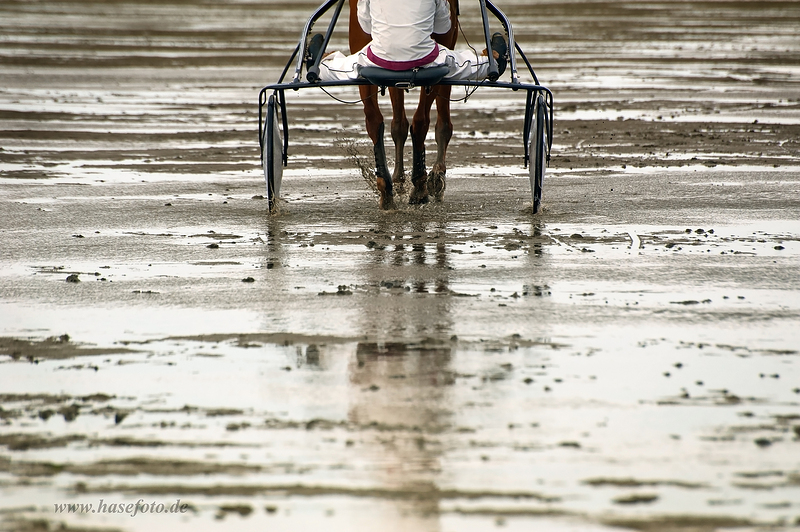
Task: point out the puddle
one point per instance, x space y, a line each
595 393
420 428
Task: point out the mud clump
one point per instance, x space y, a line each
638 498
8 414
341 290
312 355
242 509
679 523
24 442
70 412
43 525
636 483
52 348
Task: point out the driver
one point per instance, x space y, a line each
402 40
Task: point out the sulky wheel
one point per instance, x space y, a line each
538 152
272 153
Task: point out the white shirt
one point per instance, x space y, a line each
401 29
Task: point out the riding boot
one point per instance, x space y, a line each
314 48
499 45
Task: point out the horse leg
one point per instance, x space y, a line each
433 184
375 129
444 132
420 124
372 114
399 136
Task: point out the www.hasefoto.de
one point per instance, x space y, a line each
132 508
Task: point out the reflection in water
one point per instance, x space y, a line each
403 390
537 231
416 260
312 355
397 386
404 387
274 235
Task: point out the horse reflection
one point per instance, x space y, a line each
401 393
402 388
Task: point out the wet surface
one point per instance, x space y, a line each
627 359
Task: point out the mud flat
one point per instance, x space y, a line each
625 360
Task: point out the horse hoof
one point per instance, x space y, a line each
418 199
436 185
419 194
399 184
387 203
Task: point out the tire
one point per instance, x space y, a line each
272 153
537 151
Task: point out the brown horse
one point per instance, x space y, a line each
423 184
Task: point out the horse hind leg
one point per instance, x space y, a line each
420 124
444 125
372 114
375 129
383 179
399 136
444 132
419 173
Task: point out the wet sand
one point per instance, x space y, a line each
627 359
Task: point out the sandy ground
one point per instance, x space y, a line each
627 359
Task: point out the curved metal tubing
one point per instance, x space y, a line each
321 10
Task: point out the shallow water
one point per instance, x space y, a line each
626 359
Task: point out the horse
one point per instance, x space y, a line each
424 184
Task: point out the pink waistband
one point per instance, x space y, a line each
403 65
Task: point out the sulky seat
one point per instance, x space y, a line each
404 79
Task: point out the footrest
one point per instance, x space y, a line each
404 79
